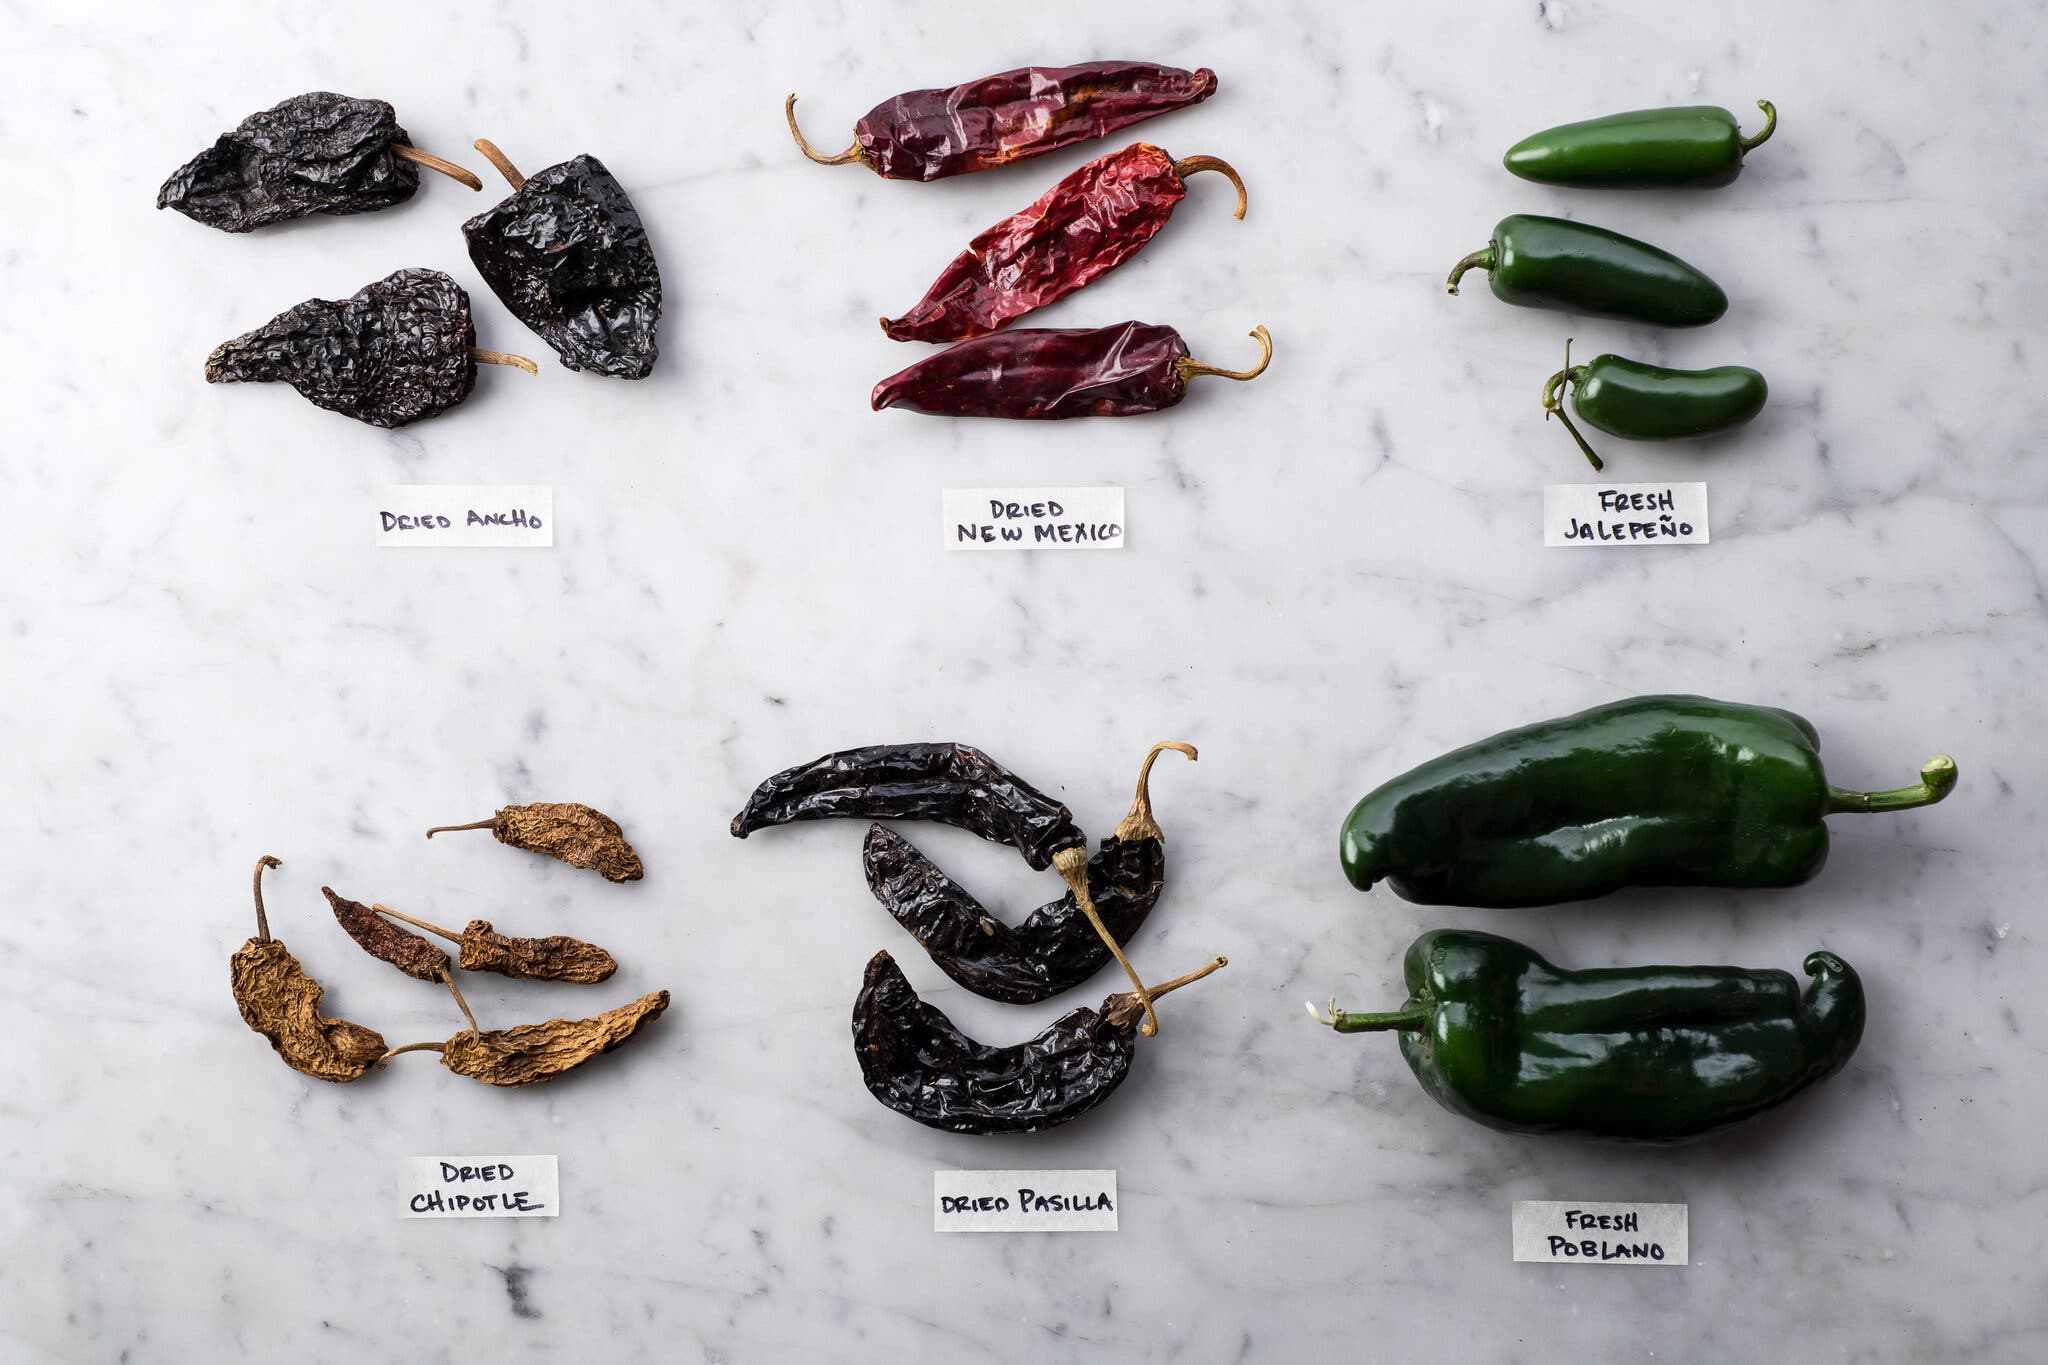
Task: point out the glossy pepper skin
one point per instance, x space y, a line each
1536 262
1050 373
1651 791
1011 116
1078 231
1642 402
1633 1054
1696 146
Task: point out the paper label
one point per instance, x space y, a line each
1033 518
1559 1232
480 1187
465 515
1023 1201
1625 514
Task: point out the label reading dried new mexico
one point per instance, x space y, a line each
1023 1201
465 515
1033 518
1560 1231
480 1187
1609 514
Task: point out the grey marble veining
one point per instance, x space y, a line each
1332 573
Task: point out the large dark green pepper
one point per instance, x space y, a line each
1535 262
1652 791
1639 1054
1642 402
1698 145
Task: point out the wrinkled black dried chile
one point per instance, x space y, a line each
315 153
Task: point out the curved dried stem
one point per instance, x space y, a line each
1138 822
450 829
448 980
501 161
1189 367
412 1047
262 920
435 163
853 153
517 362
1072 865
448 934
1189 165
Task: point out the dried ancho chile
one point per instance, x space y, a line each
280 1001
557 957
567 253
1079 230
314 153
917 1063
393 352
1055 948
931 134
566 831
1049 373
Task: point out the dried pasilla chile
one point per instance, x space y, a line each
917 1063
931 134
556 957
530 1053
314 153
1051 373
567 253
1079 230
280 1001
1641 402
1055 948
566 831
393 352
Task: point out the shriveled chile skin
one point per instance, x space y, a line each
1053 950
569 832
313 153
531 1053
1046 374
556 957
917 1063
951 784
393 352
1089 223
567 254
280 1001
931 134
382 939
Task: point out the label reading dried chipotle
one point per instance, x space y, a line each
480 1187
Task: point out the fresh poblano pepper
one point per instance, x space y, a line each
1652 791
1536 262
1698 146
1642 402
1637 1054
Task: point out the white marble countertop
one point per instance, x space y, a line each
1333 573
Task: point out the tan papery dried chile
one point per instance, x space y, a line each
564 830
556 957
387 942
531 1053
280 1001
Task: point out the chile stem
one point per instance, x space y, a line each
451 829
1189 165
1072 865
1481 259
435 163
1415 1018
1138 822
263 920
517 362
852 153
1937 779
501 161
1188 367
448 979
412 1047
383 909
1750 144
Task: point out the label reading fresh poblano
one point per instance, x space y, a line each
1568 1232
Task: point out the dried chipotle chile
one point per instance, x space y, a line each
530 1053
393 352
915 1061
1052 373
1056 948
567 831
931 134
280 1001
556 957
314 153
1089 223
568 254
386 942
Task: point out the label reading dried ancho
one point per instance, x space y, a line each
1024 1201
465 516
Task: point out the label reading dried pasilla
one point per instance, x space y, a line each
1561 1231
1023 1201
480 1186
1612 514
1033 518
465 515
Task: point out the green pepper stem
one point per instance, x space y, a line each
1481 259
1415 1018
1560 414
1750 144
1937 779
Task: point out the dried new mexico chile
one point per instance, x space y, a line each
393 352
564 830
280 1001
1079 230
314 153
567 253
1046 373
930 134
1053 950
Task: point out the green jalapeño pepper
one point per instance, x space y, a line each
1638 1054
1650 403
1652 791
1537 262
1698 146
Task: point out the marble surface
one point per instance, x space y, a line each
1332 573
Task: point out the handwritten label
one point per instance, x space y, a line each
1560 1232
1625 514
1023 1201
466 515
480 1187
1033 518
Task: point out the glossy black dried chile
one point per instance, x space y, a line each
568 254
